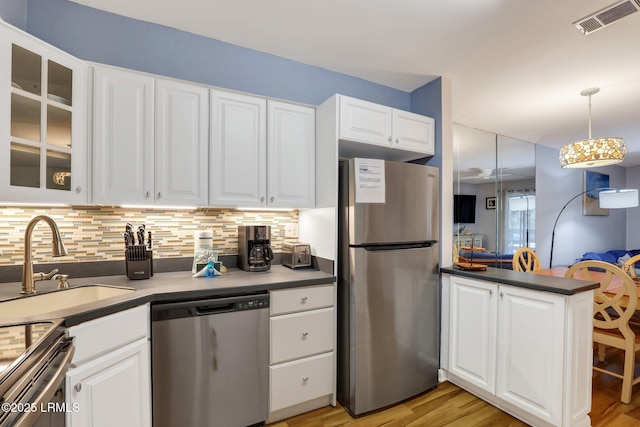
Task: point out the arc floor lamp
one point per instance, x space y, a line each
609 198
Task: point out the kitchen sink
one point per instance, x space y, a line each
57 300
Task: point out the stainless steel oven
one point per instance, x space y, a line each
34 358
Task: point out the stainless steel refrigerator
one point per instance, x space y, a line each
388 283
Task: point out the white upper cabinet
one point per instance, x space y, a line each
238 150
365 121
182 143
413 132
291 153
150 140
367 129
43 121
123 148
262 152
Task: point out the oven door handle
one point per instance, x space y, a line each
65 355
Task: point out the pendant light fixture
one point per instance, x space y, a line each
592 152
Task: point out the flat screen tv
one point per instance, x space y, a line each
464 208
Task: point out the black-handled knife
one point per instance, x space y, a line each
141 234
129 233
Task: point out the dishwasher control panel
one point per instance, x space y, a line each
253 304
208 306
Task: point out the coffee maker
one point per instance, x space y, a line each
254 247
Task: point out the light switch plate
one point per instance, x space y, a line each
291 230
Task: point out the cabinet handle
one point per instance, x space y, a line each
501 295
305 379
159 195
303 300
262 199
77 387
390 139
78 189
490 292
147 195
397 140
272 199
305 334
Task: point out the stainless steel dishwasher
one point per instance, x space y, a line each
210 362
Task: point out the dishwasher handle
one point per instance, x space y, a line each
210 306
213 309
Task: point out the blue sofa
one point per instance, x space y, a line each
487 258
610 256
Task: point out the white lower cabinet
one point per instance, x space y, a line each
531 354
109 391
109 383
302 350
473 332
526 351
300 381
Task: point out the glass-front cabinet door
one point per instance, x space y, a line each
43 122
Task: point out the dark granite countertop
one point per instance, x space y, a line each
164 287
537 282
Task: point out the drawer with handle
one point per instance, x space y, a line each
301 334
300 381
301 299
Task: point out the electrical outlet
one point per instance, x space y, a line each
291 230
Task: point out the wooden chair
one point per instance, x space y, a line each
629 265
629 268
611 326
526 260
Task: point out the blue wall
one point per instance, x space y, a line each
14 12
427 100
107 38
633 231
575 233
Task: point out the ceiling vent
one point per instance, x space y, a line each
607 16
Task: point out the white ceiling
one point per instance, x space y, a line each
517 66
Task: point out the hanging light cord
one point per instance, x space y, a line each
589 116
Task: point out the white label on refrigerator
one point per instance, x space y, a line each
369 180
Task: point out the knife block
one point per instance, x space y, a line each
138 266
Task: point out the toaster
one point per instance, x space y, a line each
296 254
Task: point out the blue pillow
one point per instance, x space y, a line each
591 256
617 254
607 257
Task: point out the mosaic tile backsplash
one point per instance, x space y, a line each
96 233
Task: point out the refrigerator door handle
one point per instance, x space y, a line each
397 246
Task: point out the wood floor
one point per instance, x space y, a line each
449 405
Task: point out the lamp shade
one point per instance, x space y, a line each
616 199
594 152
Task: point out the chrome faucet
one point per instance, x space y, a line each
57 250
